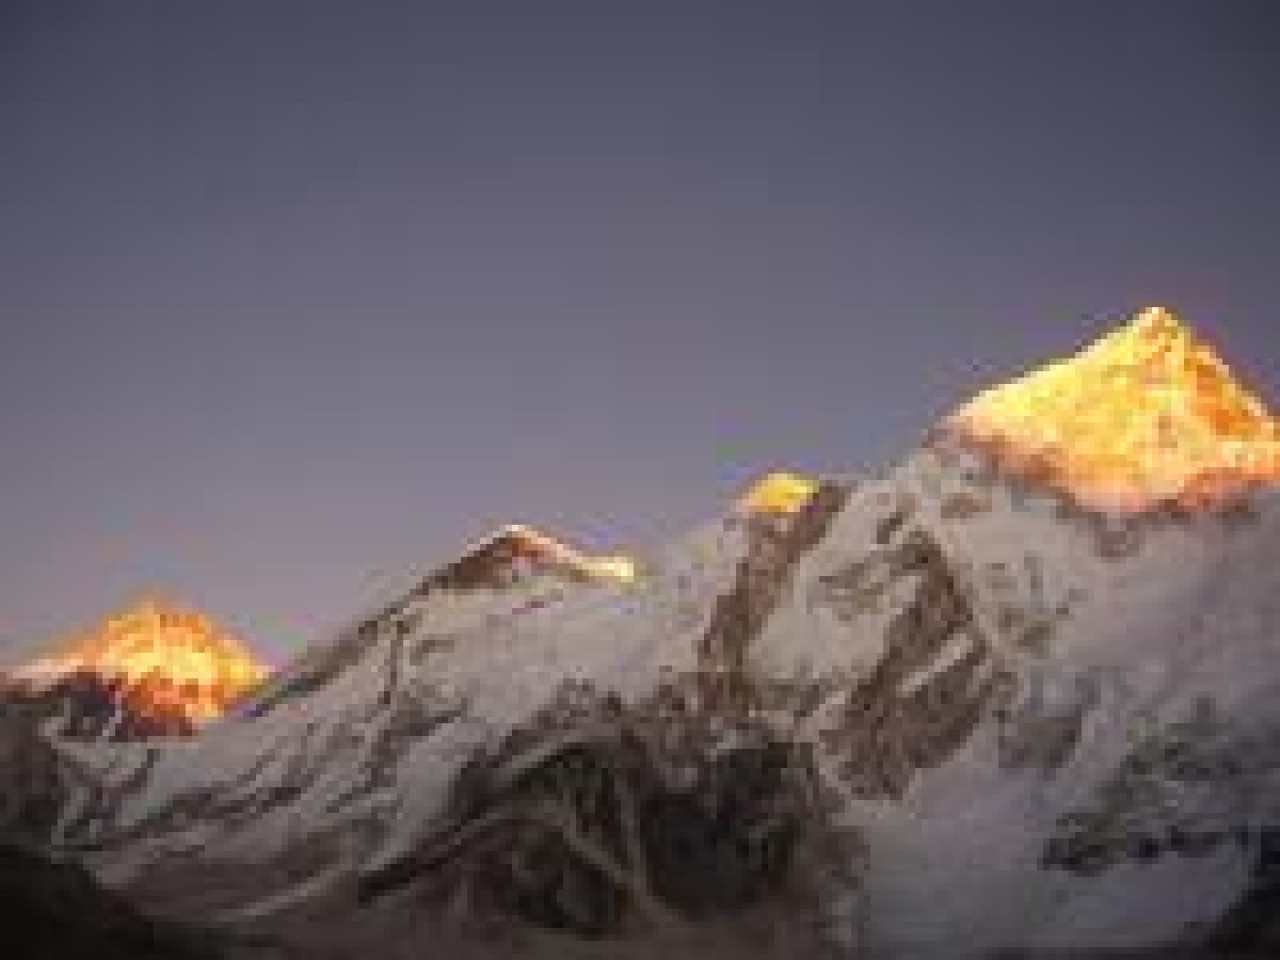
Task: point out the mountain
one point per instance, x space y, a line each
1147 414
519 553
514 570
1018 695
51 907
154 669
778 492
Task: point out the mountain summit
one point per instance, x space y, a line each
517 549
167 667
1148 414
778 493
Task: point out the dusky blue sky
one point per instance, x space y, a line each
295 294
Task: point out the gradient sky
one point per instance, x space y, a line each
295 294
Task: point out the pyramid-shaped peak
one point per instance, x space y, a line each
1156 337
1147 414
1159 323
167 657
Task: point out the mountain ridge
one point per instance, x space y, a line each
940 712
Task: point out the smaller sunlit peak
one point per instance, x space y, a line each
779 492
619 568
170 658
519 531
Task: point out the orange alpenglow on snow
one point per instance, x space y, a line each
1147 415
168 660
780 492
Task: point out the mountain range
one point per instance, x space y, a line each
1016 696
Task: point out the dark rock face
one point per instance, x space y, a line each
34 779
87 706
1039 735
1135 815
893 725
51 910
1133 819
1251 929
601 818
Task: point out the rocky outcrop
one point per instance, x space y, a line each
937 679
84 705
51 908
36 779
1144 812
611 821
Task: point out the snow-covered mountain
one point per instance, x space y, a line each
516 569
947 711
156 668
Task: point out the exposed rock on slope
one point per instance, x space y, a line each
85 705
601 817
52 908
34 778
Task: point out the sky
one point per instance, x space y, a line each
294 295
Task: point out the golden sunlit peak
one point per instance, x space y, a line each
168 659
1159 322
778 492
1146 415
